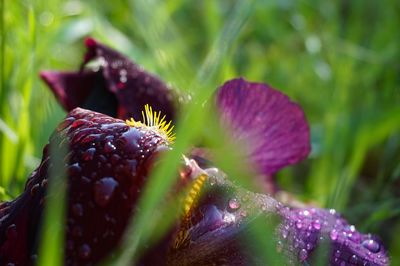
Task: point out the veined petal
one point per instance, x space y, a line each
273 127
303 231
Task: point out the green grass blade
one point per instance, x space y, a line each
51 250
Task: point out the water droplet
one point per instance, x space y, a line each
354 259
303 254
334 234
299 225
212 180
88 154
130 139
74 169
351 228
78 123
371 245
109 147
77 231
337 253
34 189
285 233
228 218
306 213
234 204
103 190
316 224
332 211
84 251
11 231
279 246
77 210
309 246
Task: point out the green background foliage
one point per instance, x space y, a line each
338 59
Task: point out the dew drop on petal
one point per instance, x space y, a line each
109 147
299 225
334 234
234 204
337 253
284 233
103 190
77 210
228 218
11 232
354 259
316 224
279 246
303 254
88 154
84 251
74 169
371 245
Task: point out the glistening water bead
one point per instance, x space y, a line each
371 245
234 204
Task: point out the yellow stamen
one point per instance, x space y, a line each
189 204
153 120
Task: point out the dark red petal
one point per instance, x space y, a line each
106 168
70 88
274 128
129 87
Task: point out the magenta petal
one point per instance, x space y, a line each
273 127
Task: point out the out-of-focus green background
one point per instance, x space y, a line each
340 60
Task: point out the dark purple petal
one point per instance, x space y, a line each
119 88
218 230
81 89
303 231
274 128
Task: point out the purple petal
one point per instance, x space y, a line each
303 230
218 230
274 128
120 88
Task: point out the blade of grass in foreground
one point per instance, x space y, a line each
188 129
2 77
369 135
51 251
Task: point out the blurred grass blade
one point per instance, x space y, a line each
225 40
8 132
162 178
369 135
51 251
164 40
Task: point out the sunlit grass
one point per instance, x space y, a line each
342 72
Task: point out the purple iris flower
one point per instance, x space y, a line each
218 211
